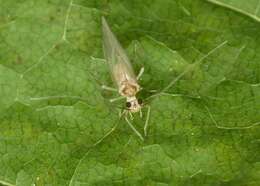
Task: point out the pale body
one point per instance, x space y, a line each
120 68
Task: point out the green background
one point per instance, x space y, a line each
54 115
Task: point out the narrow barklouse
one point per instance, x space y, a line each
122 74
125 79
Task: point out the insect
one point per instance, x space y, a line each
123 75
126 80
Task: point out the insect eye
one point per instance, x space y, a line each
140 101
128 104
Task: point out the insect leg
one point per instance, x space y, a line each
131 116
133 128
108 88
141 113
140 73
147 120
122 113
116 99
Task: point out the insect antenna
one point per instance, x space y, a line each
188 69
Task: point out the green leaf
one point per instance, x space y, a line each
251 9
57 126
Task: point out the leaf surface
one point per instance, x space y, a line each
57 126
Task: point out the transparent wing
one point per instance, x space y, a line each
115 55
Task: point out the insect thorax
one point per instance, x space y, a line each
129 89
